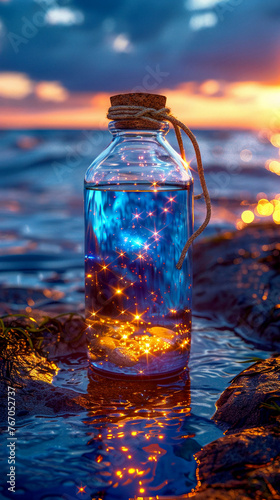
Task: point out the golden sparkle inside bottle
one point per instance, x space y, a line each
138 304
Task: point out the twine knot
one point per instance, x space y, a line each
129 112
134 112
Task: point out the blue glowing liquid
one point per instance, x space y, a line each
138 305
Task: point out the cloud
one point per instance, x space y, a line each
19 86
201 4
15 85
116 41
202 21
64 16
121 43
51 91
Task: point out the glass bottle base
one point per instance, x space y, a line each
172 369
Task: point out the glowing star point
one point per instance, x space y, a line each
155 235
121 253
137 215
165 211
82 489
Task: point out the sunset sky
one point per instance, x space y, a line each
216 60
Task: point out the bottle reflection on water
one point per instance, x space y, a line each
138 304
142 437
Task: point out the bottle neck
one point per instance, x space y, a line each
116 131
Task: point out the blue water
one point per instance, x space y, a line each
42 267
138 305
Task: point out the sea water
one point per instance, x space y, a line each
138 304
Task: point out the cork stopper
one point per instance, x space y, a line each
155 101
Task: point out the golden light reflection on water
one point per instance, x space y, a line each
136 425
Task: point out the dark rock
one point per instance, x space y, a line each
237 276
71 338
228 491
240 405
246 462
40 398
229 457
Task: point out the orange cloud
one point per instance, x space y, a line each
19 86
209 104
249 105
51 91
15 85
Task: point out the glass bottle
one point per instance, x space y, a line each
138 217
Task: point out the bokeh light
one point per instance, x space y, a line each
264 208
247 216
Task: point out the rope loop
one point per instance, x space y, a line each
127 112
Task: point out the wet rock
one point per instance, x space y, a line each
230 457
236 275
62 335
240 405
244 463
39 398
228 491
24 366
